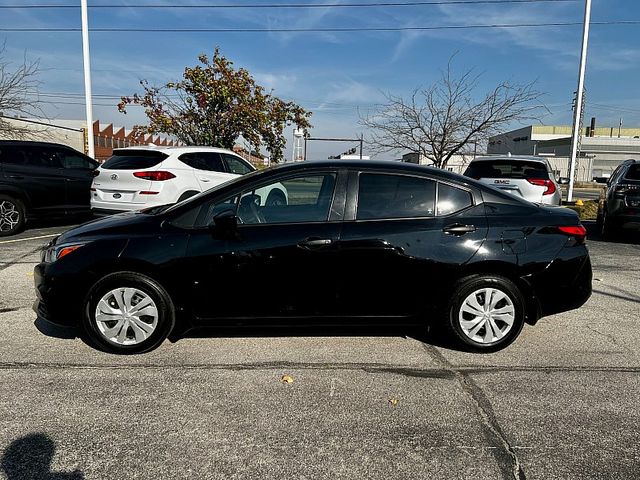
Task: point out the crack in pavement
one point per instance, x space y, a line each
447 372
17 260
506 457
610 337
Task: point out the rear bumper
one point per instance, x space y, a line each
565 285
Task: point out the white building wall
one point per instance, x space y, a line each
45 132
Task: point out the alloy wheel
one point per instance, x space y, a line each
9 216
126 316
487 315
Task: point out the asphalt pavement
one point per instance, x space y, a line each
561 402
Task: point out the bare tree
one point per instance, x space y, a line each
446 118
18 96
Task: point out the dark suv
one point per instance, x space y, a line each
41 180
621 206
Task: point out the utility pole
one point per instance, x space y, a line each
87 78
579 98
620 127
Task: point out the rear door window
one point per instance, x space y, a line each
383 196
134 160
207 161
72 160
236 165
516 169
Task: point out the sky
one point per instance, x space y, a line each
336 75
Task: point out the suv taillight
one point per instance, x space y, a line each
551 187
156 176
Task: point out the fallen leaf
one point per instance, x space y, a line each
286 379
393 401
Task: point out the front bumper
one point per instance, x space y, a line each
57 302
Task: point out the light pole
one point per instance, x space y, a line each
579 98
87 78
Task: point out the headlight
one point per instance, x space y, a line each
56 252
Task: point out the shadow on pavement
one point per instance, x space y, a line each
628 236
55 331
426 335
30 457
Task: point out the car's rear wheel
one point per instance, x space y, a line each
486 313
12 216
128 313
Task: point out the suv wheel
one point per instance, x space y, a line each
12 216
486 313
276 199
608 228
128 313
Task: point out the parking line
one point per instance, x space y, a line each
29 238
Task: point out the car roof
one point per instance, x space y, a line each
176 149
386 165
528 158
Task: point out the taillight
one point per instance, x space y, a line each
95 173
157 176
551 187
576 231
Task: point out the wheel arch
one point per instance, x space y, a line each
511 272
150 270
18 194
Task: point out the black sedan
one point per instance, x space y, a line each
354 243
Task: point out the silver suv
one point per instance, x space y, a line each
528 177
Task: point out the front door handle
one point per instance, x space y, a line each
459 229
205 180
16 177
315 242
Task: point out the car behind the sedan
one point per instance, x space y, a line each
356 243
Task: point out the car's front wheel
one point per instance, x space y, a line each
128 313
486 313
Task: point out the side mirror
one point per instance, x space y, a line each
225 223
563 181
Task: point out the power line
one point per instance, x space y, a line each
312 30
290 5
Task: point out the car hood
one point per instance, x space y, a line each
122 223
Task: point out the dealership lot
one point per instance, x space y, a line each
560 402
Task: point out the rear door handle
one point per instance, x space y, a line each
17 177
315 242
459 229
205 180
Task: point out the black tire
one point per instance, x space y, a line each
464 289
146 285
608 228
186 195
275 198
12 215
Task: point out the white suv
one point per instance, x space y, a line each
141 177
529 177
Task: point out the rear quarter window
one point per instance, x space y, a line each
517 169
452 199
633 173
134 160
